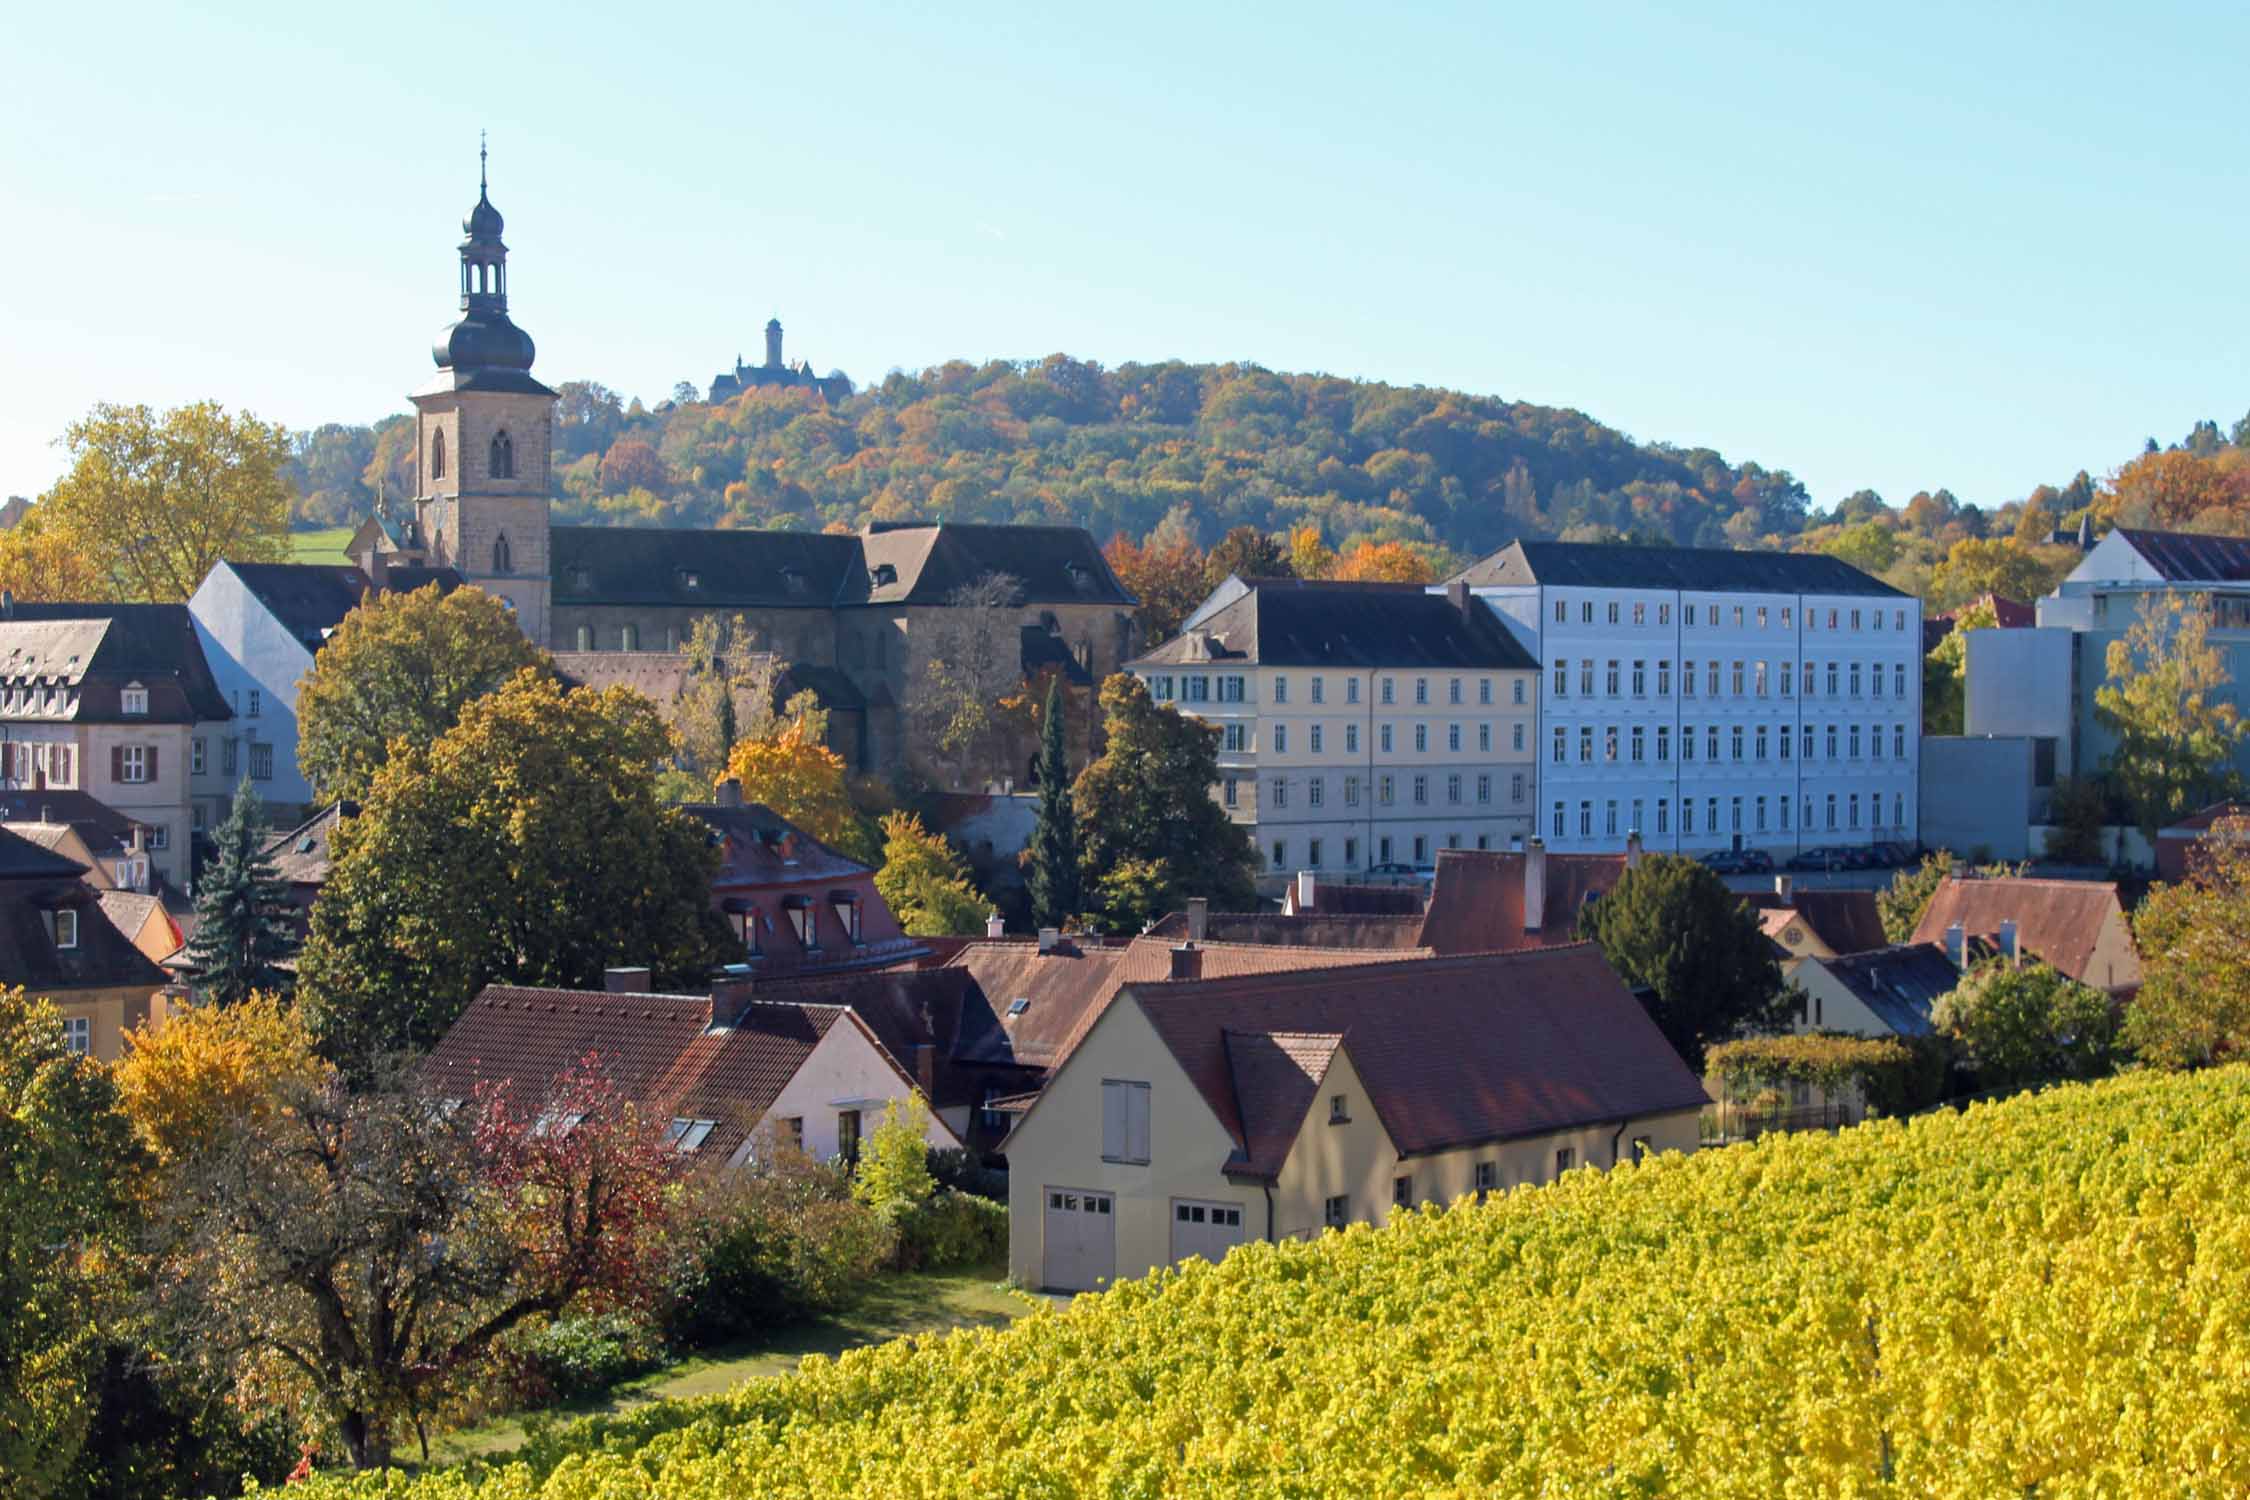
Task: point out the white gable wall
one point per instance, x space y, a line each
845 1071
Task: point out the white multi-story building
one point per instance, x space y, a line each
1362 724
1711 699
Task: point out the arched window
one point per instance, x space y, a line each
500 558
503 457
629 638
437 455
585 637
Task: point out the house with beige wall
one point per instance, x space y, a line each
2076 927
58 945
1361 724
1198 1114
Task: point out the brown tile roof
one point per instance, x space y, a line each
2060 921
302 855
1847 921
1320 929
1068 991
42 814
34 884
1477 901
1453 1051
660 1051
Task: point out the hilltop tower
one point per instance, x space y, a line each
486 430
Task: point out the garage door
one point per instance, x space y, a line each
1080 1253
1205 1229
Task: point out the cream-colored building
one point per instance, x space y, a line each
104 699
56 942
1361 724
1197 1114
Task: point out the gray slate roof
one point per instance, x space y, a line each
887 565
101 648
311 599
2189 557
1291 622
1708 570
1898 984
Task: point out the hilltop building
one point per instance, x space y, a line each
844 612
776 373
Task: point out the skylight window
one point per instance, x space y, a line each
689 1135
1019 1005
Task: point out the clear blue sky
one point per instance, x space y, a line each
1908 247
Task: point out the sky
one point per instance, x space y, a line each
1980 247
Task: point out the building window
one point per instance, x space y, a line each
847 1134
1421 849
502 562
1312 854
1484 739
78 1035
1663 743
1562 677
1898 811
1386 789
1898 680
1383 849
1402 1191
1737 679
1788 682
1565 1159
229 754
1387 693
1687 741
1558 824
503 459
1421 790
1351 853
1227 791
1586 612
1316 739
1609 679
1831 742
437 454
134 700
1159 688
1586 677
1195 689
1832 679
1124 1121
1453 738
1831 809
1687 814
1351 791
1785 742
1351 690
1280 795
1421 737
1782 805
1735 741
1855 743
66 928
1562 738
1640 679
1339 1109
1516 690
1586 744
629 638
1808 679
1316 790
585 637
1484 787
1664 614
1383 737
133 764
1487 1173
1663 815
1320 690
1609 819
1484 691
1351 739
1236 738
1233 689
1280 688
196 754
1855 679
1453 690
1453 788
1687 679
1337 1211
261 762
1585 820
1734 815
1280 739
1609 743
1898 740
1515 736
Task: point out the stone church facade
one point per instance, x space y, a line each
844 612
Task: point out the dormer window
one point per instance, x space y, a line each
793 580
884 575
1081 579
135 699
846 905
581 579
690 579
66 928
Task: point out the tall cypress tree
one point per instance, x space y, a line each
241 935
1053 881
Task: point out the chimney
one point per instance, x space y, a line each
376 564
1050 938
1306 894
1535 885
1458 592
1632 848
1187 962
1783 885
925 1069
2010 945
1199 918
994 927
626 981
1956 946
730 997
730 793
139 842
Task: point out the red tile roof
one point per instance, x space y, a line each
2060 921
1453 1051
1847 921
1477 903
1316 929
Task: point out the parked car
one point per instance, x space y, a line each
1398 874
1727 862
1824 857
1895 856
1757 862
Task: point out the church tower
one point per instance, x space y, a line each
486 430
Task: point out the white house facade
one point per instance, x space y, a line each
1710 699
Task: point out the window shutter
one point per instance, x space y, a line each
152 763
1136 1135
1113 1120
117 763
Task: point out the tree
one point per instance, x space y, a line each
2193 1006
1672 927
1052 856
1903 901
39 561
925 882
212 1068
1247 552
632 464
2004 566
241 933
1149 832
355 1259
1168 579
2026 1024
2166 701
525 845
1870 546
1384 562
1311 557
727 694
67 1170
155 502
2079 811
1945 670
971 657
789 770
893 1175
402 667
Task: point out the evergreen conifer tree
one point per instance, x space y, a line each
1053 881
241 935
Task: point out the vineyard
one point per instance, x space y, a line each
2049 1296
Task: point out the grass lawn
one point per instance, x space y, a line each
894 1307
320 546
